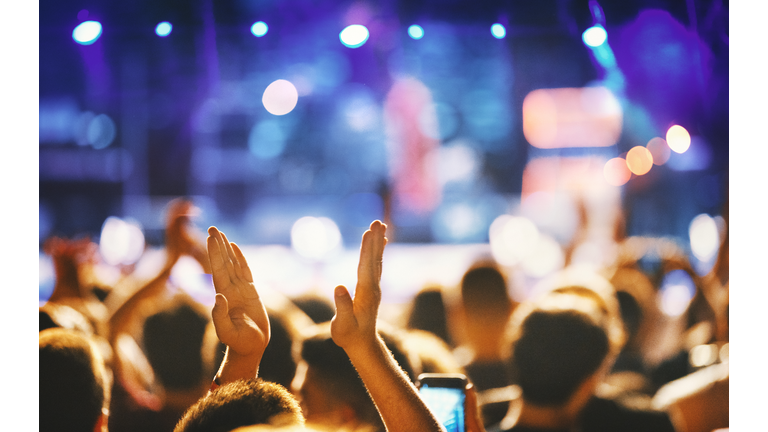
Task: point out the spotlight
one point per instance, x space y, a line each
416 32
87 32
498 31
354 36
163 29
259 28
594 36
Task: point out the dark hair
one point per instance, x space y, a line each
318 309
242 403
555 351
484 292
71 375
428 313
173 341
340 379
278 364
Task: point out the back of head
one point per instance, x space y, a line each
242 403
428 313
559 342
72 381
339 379
173 343
484 293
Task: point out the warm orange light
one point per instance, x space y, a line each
639 160
678 139
616 172
659 150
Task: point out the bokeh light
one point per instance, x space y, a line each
704 236
545 257
259 28
280 97
703 355
512 238
163 29
616 172
594 36
87 32
416 32
659 150
100 132
677 290
678 139
315 237
354 36
498 31
121 241
267 139
639 160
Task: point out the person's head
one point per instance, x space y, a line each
173 343
484 294
242 403
331 392
73 389
320 309
428 313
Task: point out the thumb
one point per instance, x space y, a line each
343 300
221 321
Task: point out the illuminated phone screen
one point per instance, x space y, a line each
447 404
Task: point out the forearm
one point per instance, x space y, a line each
395 397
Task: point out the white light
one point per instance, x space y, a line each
163 29
498 31
705 239
354 36
259 28
315 238
280 97
121 242
512 238
675 299
416 32
545 257
594 36
87 32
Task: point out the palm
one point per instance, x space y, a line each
239 315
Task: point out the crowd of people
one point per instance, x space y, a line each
574 356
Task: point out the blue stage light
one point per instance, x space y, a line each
416 32
498 31
354 36
163 29
259 28
594 36
87 32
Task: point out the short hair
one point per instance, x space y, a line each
173 343
484 292
72 381
340 378
242 403
558 344
428 313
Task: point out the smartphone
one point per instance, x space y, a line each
444 395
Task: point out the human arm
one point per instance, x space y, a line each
354 329
239 315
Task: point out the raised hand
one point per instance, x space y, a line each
355 320
180 237
239 315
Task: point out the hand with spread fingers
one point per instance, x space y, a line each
239 315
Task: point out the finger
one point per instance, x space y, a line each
472 420
225 329
345 314
243 263
368 291
224 246
218 265
236 267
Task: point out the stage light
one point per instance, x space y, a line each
594 36
498 31
512 238
259 28
659 150
121 241
163 29
639 160
87 32
616 172
678 139
315 238
416 32
100 132
676 292
354 36
704 237
280 97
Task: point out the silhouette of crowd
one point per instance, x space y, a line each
580 353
